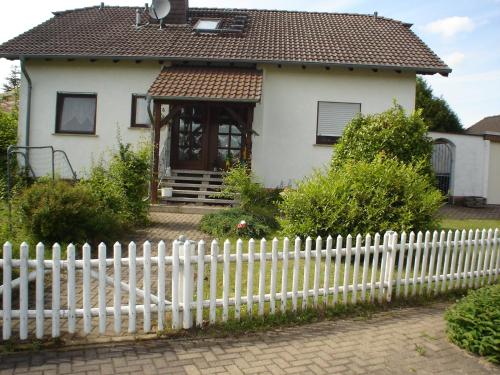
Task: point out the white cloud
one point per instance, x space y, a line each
454 59
449 27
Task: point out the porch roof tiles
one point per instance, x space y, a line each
208 83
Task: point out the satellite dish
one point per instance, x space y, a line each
159 9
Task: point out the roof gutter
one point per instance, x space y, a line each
419 70
28 104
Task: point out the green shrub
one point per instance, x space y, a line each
224 224
240 183
474 322
8 136
57 211
391 133
122 185
361 197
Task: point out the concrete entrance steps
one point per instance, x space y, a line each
195 188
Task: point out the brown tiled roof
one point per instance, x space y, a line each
269 36
489 124
205 83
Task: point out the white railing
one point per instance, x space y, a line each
339 273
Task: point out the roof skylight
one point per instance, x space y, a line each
207 24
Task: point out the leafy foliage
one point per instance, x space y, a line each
436 112
391 133
8 136
224 224
123 184
474 322
361 197
57 211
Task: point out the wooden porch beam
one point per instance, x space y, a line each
156 152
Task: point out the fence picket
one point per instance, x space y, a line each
23 292
480 258
373 279
87 316
439 261
317 270
284 275
401 258
187 284
39 297
274 275
175 286
199 285
461 259
432 261
101 288
487 257
468 260
493 255
251 262
117 293
385 248
237 279
446 264
161 285
328 261
147 286
391 262
70 256
225 281
307 269
366 265
474 260
416 267
336 276
214 250
295 280
7 291
409 262
427 244
453 264
347 269
262 276
56 290
132 282
355 276
497 267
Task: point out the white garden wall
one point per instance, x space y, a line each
494 174
470 164
287 117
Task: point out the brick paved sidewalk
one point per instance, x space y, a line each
465 213
410 341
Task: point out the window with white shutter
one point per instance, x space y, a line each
332 120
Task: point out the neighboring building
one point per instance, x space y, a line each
275 88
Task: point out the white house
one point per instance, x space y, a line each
274 88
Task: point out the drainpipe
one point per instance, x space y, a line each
28 107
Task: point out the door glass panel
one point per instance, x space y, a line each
235 130
190 134
224 141
236 141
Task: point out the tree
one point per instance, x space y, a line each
13 81
436 111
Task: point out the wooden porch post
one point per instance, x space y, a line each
156 152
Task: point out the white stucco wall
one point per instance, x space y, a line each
470 166
114 85
286 120
494 174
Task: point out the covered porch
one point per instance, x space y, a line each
202 125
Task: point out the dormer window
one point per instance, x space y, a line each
207 25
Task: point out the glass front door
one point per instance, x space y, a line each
189 136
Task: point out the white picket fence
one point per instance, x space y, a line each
366 271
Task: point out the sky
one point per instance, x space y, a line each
464 33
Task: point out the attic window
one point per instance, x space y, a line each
207 25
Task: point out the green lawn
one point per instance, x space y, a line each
453 224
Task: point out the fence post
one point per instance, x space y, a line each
161 285
7 290
117 293
40 276
132 282
237 281
147 286
87 317
225 282
175 285
251 260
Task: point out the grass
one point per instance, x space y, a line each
455 224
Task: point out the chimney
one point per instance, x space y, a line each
178 12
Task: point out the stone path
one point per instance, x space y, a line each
409 341
464 213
